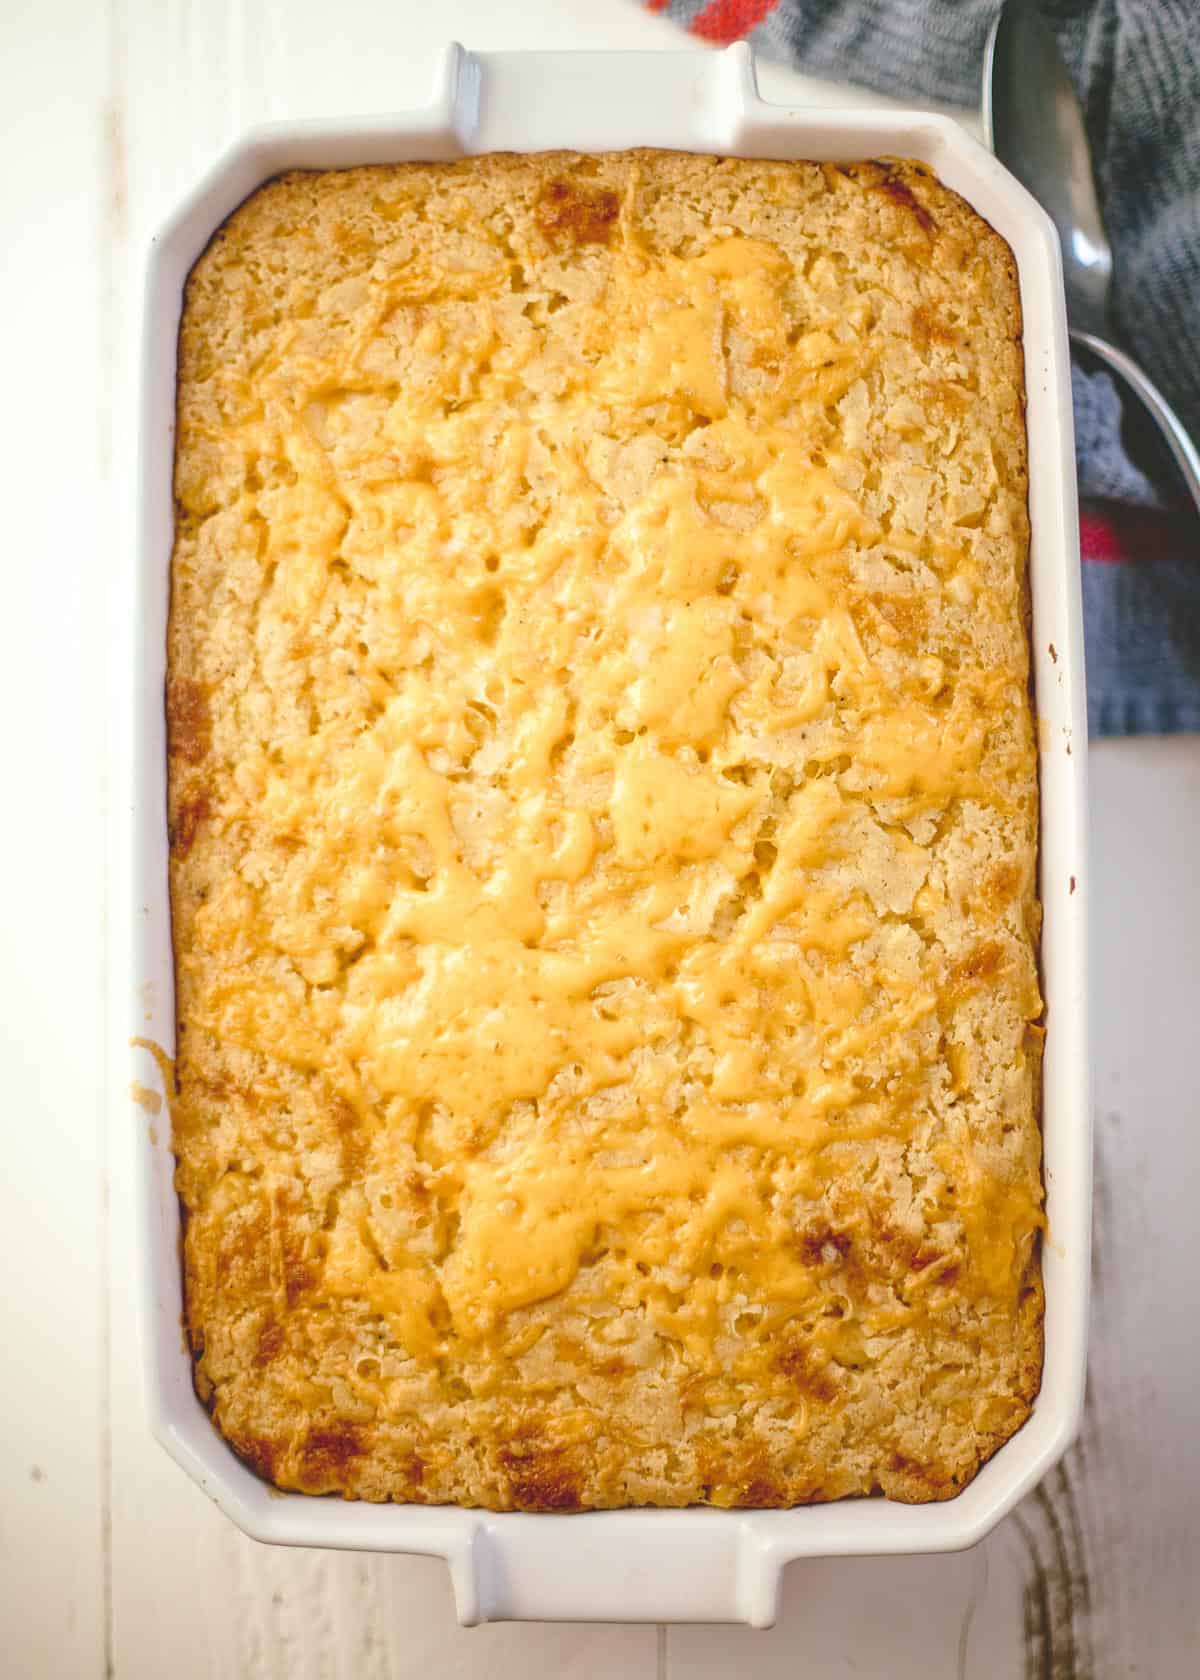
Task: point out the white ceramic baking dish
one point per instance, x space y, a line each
694 1565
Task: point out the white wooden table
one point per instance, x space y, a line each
110 1561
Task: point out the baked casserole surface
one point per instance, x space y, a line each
603 811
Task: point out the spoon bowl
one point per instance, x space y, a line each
1033 122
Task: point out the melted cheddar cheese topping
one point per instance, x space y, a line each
603 797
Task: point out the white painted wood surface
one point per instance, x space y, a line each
110 1561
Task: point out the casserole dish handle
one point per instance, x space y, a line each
662 1566
488 93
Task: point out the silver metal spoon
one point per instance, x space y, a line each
1033 123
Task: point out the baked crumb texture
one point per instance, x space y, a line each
603 815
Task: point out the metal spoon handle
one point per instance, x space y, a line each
1169 423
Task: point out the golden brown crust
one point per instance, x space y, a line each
603 829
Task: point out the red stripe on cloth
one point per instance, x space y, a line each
1110 534
723 21
1098 539
657 5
